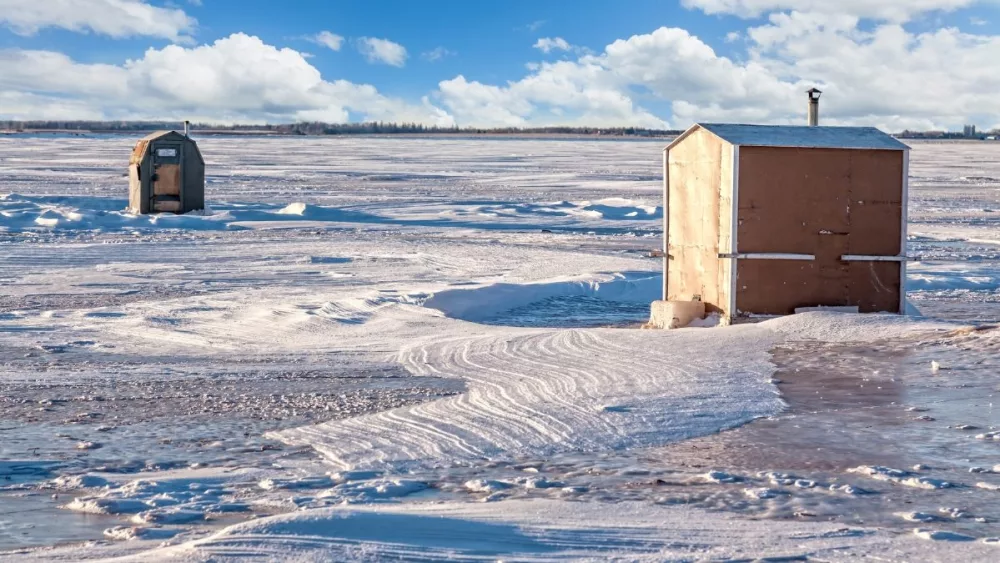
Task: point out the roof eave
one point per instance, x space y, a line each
683 136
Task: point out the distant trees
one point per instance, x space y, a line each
320 128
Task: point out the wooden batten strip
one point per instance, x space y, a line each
864 258
769 256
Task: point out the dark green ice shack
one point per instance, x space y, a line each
166 174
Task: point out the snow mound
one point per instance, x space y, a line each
480 303
293 209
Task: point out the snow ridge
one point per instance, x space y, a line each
545 392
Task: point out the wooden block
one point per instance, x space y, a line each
675 314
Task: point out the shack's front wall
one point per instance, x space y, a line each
699 170
183 179
822 202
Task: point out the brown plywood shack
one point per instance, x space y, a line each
166 174
764 220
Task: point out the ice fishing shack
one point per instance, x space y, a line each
166 174
767 220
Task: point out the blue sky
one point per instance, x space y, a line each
516 62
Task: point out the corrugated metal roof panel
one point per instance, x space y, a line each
804 137
157 134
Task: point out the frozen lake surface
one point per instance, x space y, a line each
416 348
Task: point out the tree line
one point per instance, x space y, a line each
320 128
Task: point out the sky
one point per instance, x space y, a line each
894 64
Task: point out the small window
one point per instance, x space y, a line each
166 152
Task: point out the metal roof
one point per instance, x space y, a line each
799 136
158 134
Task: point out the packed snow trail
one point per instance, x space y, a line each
536 393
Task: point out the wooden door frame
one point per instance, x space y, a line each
154 146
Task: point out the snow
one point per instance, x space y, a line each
545 530
25 213
323 343
476 304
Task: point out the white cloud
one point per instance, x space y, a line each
887 76
881 75
733 36
887 10
237 78
115 18
382 51
549 44
560 93
436 54
873 72
328 39
535 25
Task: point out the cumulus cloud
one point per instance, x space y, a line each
382 51
115 18
566 93
328 39
237 78
873 67
881 74
549 44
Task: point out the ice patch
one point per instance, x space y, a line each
168 516
290 484
486 486
72 482
721 477
129 533
375 490
900 477
940 535
107 505
761 493
918 517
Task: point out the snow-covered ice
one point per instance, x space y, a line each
359 342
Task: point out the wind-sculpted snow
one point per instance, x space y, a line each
545 392
21 213
477 304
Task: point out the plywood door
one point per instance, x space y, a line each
167 179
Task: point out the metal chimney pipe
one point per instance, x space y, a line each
814 95
187 126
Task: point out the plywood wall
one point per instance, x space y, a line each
826 203
696 168
134 189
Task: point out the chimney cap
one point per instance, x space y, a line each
814 93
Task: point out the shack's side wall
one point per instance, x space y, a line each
822 202
696 169
194 179
135 161
134 189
